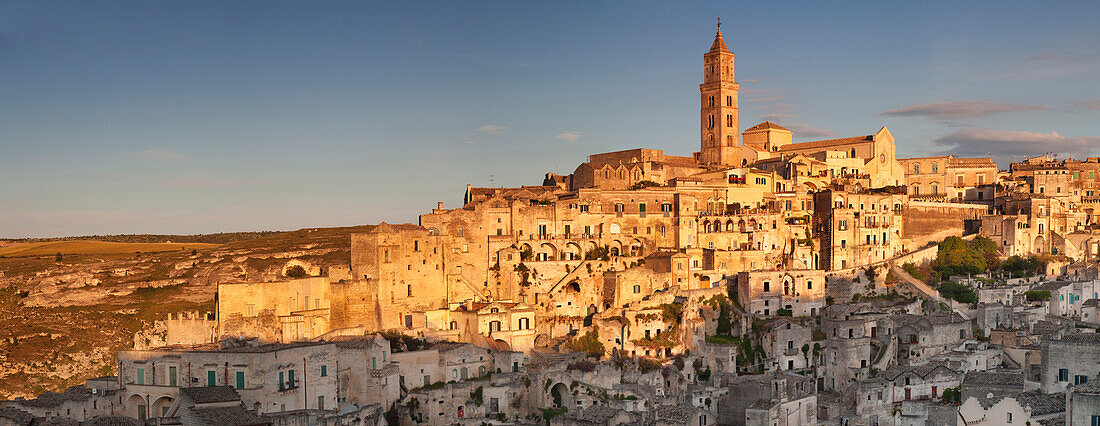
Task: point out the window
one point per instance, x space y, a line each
1080 379
324 370
172 376
619 208
290 379
637 289
140 379
729 100
1009 418
282 384
729 120
320 403
211 378
842 225
767 286
935 167
410 290
1063 375
240 378
809 285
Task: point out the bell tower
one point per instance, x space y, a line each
718 105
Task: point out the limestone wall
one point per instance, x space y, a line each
925 222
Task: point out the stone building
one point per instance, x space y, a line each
268 377
783 342
1083 405
921 337
797 292
1069 360
857 228
949 178
982 384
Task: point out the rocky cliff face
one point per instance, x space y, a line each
63 321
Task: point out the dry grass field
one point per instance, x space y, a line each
84 247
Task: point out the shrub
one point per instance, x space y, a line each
296 271
1037 295
958 292
589 344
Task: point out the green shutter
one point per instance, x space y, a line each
282 383
324 370
141 376
240 380
290 378
211 378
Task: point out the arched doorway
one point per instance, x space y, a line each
161 406
137 407
560 395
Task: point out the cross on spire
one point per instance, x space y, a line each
719 23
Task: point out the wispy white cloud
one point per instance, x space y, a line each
203 182
1011 143
959 109
492 129
160 155
805 131
1084 105
762 94
777 117
1047 56
568 136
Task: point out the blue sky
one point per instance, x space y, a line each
198 117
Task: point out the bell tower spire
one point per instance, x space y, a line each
718 112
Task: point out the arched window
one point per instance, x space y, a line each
481 371
729 100
786 287
935 167
454 325
853 154
729 120
729 140
916 168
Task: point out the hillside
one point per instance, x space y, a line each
64 321
84 247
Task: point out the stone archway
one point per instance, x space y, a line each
1040 245
560 396
161 406
137 408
